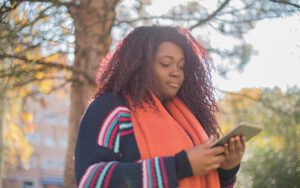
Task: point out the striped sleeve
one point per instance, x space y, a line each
106 153
110 132
146 173
97 175
154 173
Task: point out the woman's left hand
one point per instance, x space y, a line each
234 151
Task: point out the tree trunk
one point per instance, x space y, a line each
1 135
93 21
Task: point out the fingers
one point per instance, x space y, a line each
232 144
207 143
214 162
238 145
235 146
219 159
234 151
214 166
216 150
243 140
211 151
226 149
204 159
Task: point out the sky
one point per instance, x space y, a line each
277 59
277 62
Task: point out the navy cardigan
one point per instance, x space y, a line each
107 155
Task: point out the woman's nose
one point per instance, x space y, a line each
175 71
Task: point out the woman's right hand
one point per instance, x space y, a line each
204 159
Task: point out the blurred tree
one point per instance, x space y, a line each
15 149
23 73
58 42
2 88
275 152
37 55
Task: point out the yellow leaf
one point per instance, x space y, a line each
18 49
23 21
27 117
32 56
16 143
29 128
64 71
37 57
39 75
53 57
29 56
24 91
40 8
46 18
46 86
14 4
66 32
26 39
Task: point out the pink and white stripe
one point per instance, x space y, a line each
145 174
108 121
87 175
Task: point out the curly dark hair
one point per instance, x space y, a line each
129 70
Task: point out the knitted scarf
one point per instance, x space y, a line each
165 131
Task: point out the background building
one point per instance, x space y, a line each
49 141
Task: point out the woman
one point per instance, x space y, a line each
152 118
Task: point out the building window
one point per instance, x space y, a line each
33 162
27 184
63 142
61 164
50 119
49 141
33 138
38 116
47 163
65 121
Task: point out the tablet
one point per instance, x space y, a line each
243 129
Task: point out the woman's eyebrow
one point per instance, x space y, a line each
170 57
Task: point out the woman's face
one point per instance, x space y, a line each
168 69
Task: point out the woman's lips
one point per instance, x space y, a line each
173 84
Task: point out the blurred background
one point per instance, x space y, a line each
50 51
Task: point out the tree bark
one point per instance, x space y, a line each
93 21
3 87
1 135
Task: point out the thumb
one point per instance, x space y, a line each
207 143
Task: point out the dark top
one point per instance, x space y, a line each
107 155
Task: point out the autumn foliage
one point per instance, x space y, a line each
275 152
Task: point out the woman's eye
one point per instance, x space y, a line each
164 64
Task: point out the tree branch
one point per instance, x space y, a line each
119 22
55 2
53 89
51 65
4 9
211 16
286 3
20 84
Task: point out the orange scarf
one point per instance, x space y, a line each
160 134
